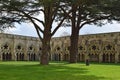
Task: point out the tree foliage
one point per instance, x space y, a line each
84 12
94 11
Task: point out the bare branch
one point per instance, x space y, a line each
38 33
58 26
39 21
54 14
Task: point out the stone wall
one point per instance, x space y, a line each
16 47
103 47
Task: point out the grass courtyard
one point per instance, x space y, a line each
58 71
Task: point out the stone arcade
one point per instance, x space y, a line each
103 47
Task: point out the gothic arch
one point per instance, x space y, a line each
20 56
94 57
31 56
81 57
56 53
19 52
6 56
19 46
94 45
31 53
56 57
31 47
66 57
105 57
6 52
112 58
108 46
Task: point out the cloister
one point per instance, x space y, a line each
103 47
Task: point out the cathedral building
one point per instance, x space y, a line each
104 47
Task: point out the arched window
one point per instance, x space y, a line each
112 57
6 56
31 56
105 57
20 56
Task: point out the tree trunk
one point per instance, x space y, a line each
44 60
74 36
74 46
46 35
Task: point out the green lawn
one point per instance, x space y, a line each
58 71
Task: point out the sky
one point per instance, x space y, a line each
28 30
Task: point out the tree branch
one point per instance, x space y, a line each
54 13
32 21
38 33
79 17
94 20
33 11
58 26
35 25
39 21
66 13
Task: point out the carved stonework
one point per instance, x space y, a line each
96 47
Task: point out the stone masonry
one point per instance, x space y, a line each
103 47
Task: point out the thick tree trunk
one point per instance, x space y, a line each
46 35
74 36
74 46
45 51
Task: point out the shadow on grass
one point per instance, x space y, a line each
53 71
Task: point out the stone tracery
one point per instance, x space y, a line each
97 48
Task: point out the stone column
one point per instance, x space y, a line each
87 50
116 50
100 57
116 58
26 49
61 56
100 51
12 47
116 53
108 57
